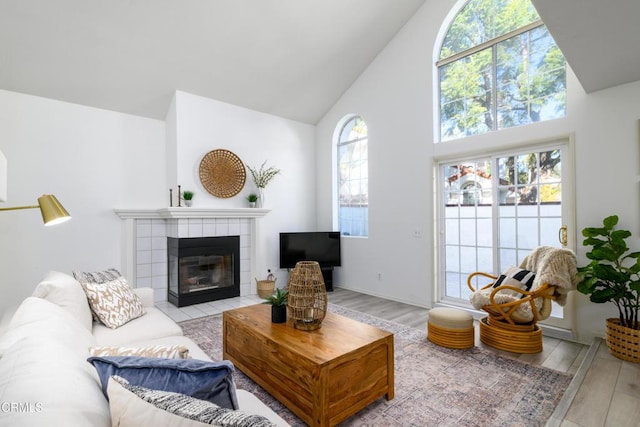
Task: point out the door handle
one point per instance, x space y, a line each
562 235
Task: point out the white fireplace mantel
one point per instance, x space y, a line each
184 212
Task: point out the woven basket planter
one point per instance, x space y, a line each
623 342
266 287
307 303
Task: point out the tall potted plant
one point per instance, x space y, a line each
613 275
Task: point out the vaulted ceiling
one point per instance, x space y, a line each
291 58
599 39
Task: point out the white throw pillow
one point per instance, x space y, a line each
114 303
63 290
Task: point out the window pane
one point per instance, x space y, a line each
482 20
451 231
466 96
508 232
468 232
353 186
531 81
527 83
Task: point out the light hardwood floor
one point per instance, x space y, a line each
605 390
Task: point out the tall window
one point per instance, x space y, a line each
353 178
499 67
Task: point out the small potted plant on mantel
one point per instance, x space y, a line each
252 199
613 275
278 303
187 196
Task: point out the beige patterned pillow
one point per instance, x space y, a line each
164 351
103 276
113 302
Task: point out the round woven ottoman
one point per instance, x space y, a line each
450 327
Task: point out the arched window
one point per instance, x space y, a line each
353 178
498 67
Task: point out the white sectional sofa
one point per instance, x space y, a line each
45 378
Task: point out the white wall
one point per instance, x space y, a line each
394 96
205 124
93 161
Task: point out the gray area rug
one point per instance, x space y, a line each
434 386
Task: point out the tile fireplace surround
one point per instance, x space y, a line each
145 233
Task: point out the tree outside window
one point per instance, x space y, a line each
499 67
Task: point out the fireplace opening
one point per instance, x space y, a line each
203 269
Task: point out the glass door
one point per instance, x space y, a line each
495 210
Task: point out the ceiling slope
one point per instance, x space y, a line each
290 58
599 39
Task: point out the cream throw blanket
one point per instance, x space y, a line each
554 266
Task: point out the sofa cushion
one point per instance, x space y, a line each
211 381
43 365
36 317
166 351
140 407
195 352
146 296
114 303
65 291
154 324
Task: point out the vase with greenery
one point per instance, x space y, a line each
613 275
187 196
252 199
262 177
278 303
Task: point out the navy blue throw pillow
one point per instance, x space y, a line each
210 381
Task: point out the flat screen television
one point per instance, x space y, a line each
320 246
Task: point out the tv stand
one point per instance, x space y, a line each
327 276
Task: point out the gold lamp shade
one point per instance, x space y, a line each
52 210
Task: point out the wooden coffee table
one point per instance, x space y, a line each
323 376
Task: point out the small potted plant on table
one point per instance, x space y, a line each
278 303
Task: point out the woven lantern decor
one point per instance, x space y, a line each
307 296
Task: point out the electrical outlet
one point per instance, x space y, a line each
417 233
379 276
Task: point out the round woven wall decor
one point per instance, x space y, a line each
222 173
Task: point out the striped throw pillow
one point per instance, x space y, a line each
516 277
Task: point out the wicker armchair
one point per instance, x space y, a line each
513 310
